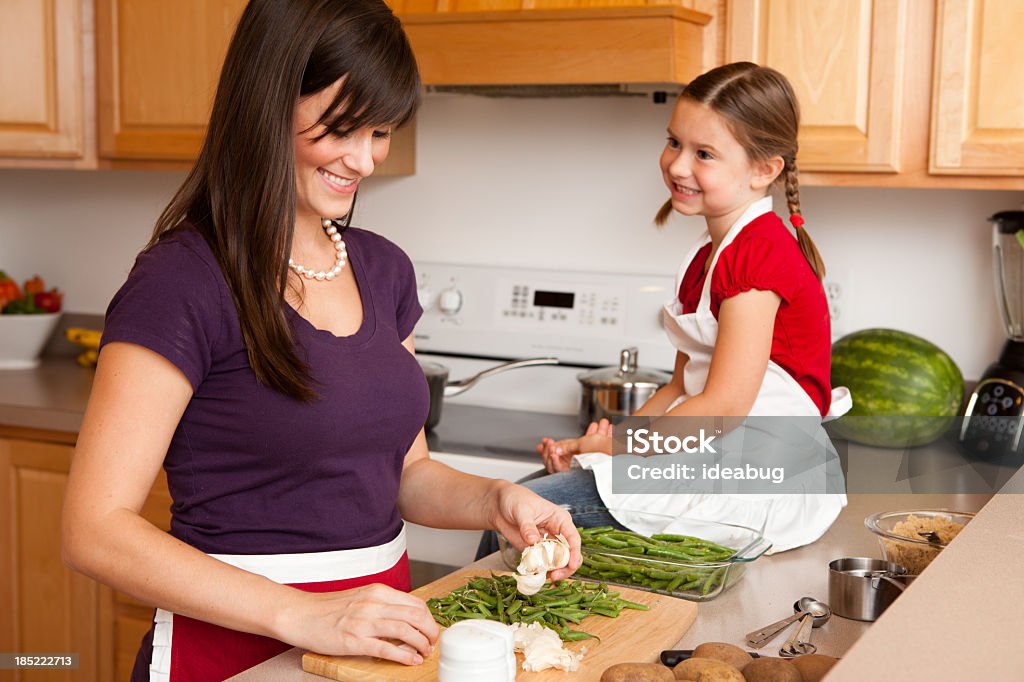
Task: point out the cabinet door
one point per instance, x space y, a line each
157 70
158 64
977 108
45 607
41 109
845 59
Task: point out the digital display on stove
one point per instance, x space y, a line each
553 299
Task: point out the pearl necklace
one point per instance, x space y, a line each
339 263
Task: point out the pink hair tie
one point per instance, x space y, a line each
797 220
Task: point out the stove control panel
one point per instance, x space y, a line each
580 317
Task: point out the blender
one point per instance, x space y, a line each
992 422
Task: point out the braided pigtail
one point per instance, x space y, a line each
663 213
810 251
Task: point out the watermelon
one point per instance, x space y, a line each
906 390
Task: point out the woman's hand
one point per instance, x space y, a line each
521 515
558 454
373 620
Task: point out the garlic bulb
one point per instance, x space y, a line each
545 555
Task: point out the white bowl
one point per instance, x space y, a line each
22 338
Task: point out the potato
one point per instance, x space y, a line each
727 653
637 672
813 667
706 670
771 670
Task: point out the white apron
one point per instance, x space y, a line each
788 520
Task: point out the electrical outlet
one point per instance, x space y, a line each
836 295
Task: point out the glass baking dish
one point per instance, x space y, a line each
693 578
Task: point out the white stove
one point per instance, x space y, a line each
476 317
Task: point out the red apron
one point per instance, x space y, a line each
183 649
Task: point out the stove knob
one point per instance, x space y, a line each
450 301
425 296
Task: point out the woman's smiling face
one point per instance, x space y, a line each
328 171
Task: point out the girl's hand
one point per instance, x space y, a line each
521 515
373 620
557 455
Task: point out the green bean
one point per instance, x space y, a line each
577 635
611 542
556 606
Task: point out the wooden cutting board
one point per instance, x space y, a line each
635 636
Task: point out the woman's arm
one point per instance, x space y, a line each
433 494
137 399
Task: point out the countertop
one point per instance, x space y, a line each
53 396
764 595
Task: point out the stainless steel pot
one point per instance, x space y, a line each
862 588
611 392
441 388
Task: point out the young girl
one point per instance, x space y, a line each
750 322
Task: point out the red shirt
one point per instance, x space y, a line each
765 256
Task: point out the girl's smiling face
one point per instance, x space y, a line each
328 170
706 169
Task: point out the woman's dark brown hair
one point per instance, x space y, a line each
761 109
241 193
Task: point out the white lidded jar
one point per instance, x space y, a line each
474 650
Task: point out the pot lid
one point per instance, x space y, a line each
626 375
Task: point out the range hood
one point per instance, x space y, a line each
558 52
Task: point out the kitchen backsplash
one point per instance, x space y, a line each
555 183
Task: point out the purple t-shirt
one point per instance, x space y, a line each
250 470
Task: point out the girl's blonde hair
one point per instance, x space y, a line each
761 109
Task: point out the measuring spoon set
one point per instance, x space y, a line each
810 612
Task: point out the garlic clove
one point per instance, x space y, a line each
530 583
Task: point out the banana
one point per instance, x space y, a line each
90 338
87 358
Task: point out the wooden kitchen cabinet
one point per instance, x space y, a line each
485 43
157 72
978 111
895 93
845 61
157 69
42 111
46 607
141 99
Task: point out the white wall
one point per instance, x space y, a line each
560 183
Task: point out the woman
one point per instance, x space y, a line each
261 352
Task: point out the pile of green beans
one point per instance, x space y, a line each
677 563
554 607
